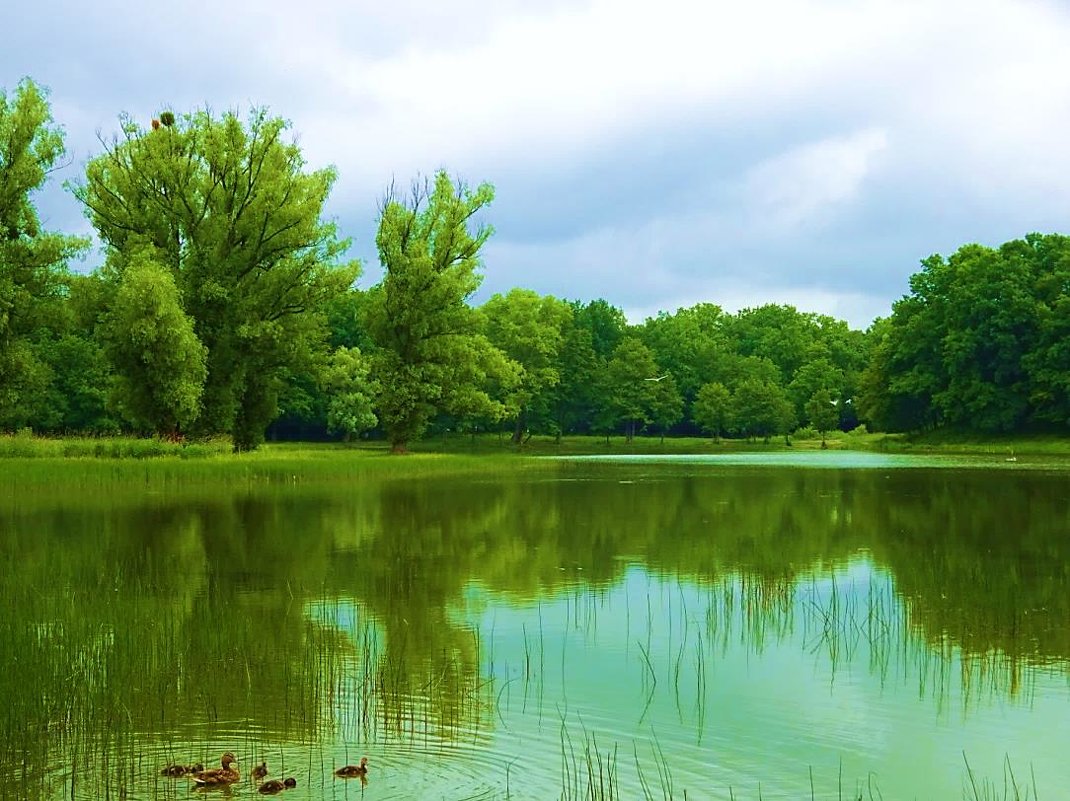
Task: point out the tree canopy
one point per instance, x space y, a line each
432 355
230 210
226 299
32 261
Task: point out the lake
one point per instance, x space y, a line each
850 625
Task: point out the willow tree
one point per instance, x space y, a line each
432 357
32 261
229 208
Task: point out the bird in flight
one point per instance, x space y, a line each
659 378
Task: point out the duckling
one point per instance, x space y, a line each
222 775
260 771
352 771
176 771
276 786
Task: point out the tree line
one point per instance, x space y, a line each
225 304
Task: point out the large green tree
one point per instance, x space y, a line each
712 410
978 343
630 388
528 329
32 261
432 356
762 409
232 212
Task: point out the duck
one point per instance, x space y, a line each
260 771
176 771
352 771
276 786
222 775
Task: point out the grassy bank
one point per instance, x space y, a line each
347 460
171 467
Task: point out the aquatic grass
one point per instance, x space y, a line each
95 480
26 445
1007 788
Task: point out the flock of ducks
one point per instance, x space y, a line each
228 774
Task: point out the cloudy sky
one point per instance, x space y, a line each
653 154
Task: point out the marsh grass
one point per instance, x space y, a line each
25 445
269 467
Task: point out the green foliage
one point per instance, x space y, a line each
819 375
575 398
230 210
690 344
32 261
712 409
431 355
528 328
606 323
350 393
978 344
761 409
159 362
631 393
822 413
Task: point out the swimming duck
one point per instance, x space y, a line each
276 786
260 771
175 771
223 775
352 771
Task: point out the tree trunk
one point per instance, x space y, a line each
518 429
399 447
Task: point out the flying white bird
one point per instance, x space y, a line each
659 378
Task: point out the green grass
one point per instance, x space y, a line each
155 458
1007 445
272 465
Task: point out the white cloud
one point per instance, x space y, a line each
800 186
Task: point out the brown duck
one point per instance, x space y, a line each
222 775
260 771
276 786
353 771
176 771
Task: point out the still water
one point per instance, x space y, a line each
646 628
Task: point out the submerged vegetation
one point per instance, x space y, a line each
441 607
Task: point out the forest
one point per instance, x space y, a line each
225 304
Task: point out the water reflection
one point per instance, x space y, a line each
637 623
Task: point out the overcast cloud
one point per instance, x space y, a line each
656 155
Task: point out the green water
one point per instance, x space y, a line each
650 628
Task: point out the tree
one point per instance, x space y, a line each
579 366
527 328
762 409
32 261
689 344
822 413
960 349
666 405
350 393
812 377
432 357
629 390
159 362
233 215
712 409
606 323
